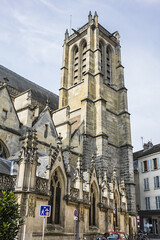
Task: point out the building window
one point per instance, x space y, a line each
156 164
57 204
108 65
55 200
75 65
147 201
157 182
92 209
4 114
101 57
3 150
83 63
46 131
158 202
145 166
146 184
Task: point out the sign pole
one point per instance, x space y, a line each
43 227
74 229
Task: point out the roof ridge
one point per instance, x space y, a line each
35 84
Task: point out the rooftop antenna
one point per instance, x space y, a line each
142 141
70 24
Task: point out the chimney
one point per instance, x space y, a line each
147 146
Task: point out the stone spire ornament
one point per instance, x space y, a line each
89 17
66 35
96 19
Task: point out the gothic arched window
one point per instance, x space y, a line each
92 209
83 62
101 56
75 65
108 64
57 204
3 150
55 200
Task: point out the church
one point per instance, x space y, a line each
72 152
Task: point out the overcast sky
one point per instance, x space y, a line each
31 39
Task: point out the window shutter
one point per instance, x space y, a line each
159 181
155 185
147 183
148 168
156 202
151 164
142 169
144 183
158 163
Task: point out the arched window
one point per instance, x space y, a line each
55 200
3 150
83 63
92 209
75 65
108 64
115 212
101 56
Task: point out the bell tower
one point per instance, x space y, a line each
93 111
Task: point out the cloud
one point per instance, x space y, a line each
150 1
52 7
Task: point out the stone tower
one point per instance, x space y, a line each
93 114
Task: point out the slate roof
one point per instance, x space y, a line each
141 153
5 166
22 84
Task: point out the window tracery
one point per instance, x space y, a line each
108 65
92 209
101 56
83 63
3 150
55 199
75 64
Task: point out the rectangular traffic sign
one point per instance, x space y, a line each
45 211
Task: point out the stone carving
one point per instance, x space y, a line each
105 201
29 152
7 182
74 193
31 206
81 214
86 196
23 205
42 185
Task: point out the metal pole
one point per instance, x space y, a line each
43 227
74 229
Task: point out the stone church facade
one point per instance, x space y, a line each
75 156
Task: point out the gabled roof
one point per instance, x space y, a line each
43 118
22 84
141 153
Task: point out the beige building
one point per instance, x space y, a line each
77 156
147 176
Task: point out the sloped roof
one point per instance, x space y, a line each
5 166
22 84
141 153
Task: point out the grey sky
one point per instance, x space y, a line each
31 39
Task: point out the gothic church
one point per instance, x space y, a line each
77 155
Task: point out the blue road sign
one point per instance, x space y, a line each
45 211
75 213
